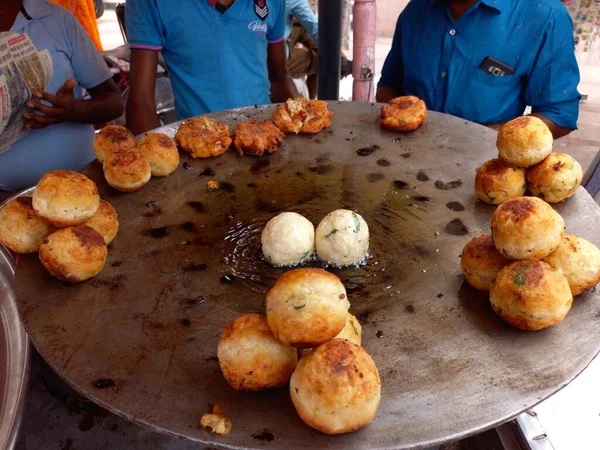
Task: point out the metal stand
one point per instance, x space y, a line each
330 49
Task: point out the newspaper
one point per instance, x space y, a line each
23 72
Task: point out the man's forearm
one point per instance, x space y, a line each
141 115
385 94
282 89
102 108
557 131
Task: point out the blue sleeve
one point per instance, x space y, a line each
552 84
89 67
276 32
301 11
392 71
144 27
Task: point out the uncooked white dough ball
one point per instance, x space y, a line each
288 239
342 238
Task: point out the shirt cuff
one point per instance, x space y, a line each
276 41
560 118
155 48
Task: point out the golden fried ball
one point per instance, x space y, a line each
405 113
74 254
203 137
524 141
342 238
307 307
301 115
250 357
288 239
578 260
531 295
480 262
127 170
526 228
66 198
497 181
21 229
110 139
105 222
256 138
336 388
161 152
352 332
556 178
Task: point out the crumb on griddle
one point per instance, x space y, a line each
212 185
217 421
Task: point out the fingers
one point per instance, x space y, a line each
67 88
47 110
41 119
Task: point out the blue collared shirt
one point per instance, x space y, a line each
300 10
438 59
64 145
216 60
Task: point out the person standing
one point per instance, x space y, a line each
486 60
220 54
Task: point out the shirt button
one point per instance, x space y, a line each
443 74
452 32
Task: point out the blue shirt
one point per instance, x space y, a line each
216 60
302 12
66 145
438 59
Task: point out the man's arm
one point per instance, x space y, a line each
141 104
392 74
302 12
282 86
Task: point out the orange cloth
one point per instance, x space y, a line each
86 14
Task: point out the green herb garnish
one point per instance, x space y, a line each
354 327
331 233
305 255
356 222
520 278
299 307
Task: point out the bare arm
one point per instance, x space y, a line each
557 131
141 105
282 86
385 94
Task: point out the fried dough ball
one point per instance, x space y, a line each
110 139
405 113
336 388
203 137
66 198
21 229
161 152
578 260
497 181
288 239
352 332
531 295
556 178
526 228
74 254
307 307
256 138
251 358
524 141
480 262
127 170
300 115
105 222
342 238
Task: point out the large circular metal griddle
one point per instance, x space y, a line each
141 338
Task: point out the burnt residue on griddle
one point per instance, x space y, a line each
189 226
266 206
265 436
379 334
67 444
410 309
252 185
440 295
366 151
227 279
110 283
354 288
116 264
151 204
103 383
321 169
397 139
86 423
186 165
406 155
374 177
186 322
212 359
259 165
456 228
449 185
455 206
157 233
191 302
227 187
363 317
422 176
419 250
399 184
383 162
195 268
198 206
421 198
208 172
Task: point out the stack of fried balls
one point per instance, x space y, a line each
335 387
525 161
531 268
66 222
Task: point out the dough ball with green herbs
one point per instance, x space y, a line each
556 178
342 238
307 307
288 239
531 295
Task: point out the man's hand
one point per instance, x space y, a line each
385 94
64 107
